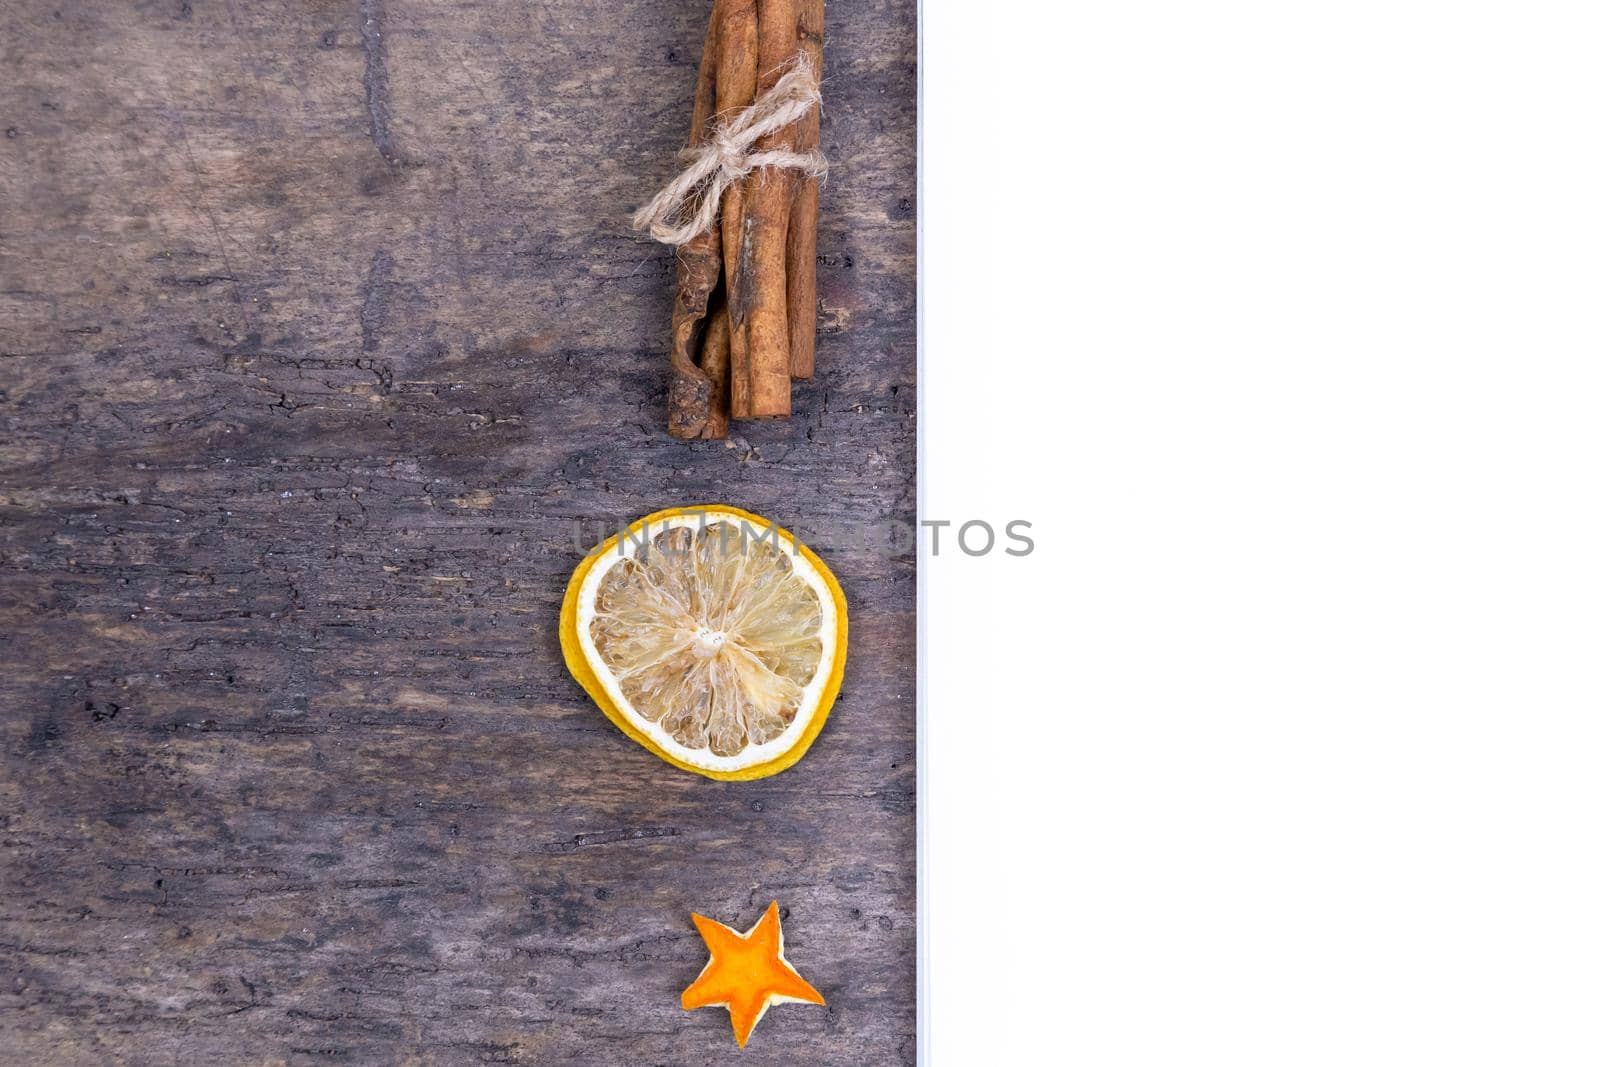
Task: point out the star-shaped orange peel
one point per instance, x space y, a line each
747 973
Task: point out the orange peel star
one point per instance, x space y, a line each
747 973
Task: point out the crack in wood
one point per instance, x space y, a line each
375 79
607 837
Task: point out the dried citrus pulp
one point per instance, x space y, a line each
710 637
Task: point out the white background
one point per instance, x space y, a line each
1280 323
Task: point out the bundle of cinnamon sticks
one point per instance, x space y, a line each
745 318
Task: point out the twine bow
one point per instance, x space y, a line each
725 156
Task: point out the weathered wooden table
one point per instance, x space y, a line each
321 328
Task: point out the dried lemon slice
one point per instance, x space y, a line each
710 637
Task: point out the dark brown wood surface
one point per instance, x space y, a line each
320 329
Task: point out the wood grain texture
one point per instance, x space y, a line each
320 328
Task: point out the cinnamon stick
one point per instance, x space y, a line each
690 398
714 364
744 313
736 88
802 251
769 193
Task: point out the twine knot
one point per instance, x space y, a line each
725 157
